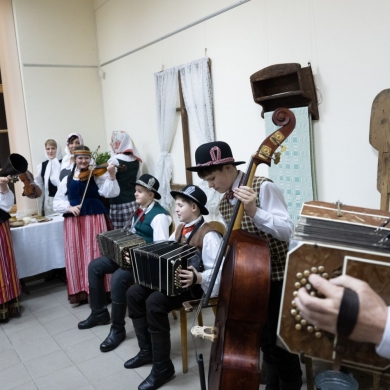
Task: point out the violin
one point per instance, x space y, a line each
98 170
30 189
244 288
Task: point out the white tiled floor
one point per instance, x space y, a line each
44 349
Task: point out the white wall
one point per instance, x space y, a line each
59 63
345 42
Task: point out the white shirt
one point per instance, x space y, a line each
6 200
272 216
160 224
107 188
383 349
211 244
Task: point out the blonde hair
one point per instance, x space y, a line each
51 142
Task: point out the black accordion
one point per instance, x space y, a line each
115 243
157 265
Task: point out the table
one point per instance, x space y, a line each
39 247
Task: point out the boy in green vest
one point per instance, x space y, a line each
265 215
149 309
153 225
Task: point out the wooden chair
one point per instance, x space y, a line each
219 226
188 307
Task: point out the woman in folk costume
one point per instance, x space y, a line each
125 153
10 287
48 174
72 141
84 220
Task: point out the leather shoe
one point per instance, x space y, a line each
95 319
139 360
115 337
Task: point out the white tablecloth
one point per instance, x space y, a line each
39 247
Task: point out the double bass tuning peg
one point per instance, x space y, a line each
276 159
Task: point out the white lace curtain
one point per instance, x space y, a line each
166 97
198 98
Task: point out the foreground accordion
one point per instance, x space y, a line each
115 243
156 265
334 240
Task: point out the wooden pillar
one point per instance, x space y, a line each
13 96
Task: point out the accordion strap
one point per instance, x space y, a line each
197 226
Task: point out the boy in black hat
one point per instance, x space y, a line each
265 215
153 225
149 309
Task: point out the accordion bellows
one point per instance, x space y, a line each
156 265
115 243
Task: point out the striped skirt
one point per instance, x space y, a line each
81 247
10 287
120 214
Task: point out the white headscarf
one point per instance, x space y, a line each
122 143
53 168
68 155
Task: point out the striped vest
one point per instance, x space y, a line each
277 247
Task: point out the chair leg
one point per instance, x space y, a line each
309 373
183 329
200 319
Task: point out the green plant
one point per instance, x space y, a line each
102 158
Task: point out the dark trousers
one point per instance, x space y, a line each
155 306
121 279
287 365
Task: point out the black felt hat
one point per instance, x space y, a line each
195 194
213 154
150 183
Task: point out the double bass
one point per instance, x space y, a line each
244 288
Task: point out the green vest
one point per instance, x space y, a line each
143 228
124 179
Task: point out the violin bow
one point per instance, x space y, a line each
94 154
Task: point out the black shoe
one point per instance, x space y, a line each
163 369
95 319
160 374
144 356
117 331
139 360
115 337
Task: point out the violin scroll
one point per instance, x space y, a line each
30 189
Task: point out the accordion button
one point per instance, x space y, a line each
299 275
321 268
298 326
318 335
310 329
297 285
306 273
303 281
294 312
314 270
